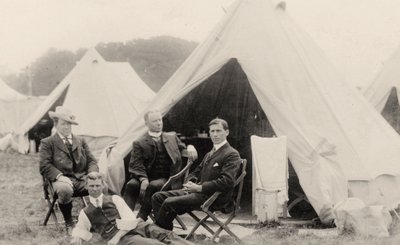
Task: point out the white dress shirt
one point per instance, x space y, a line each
155 134
127 222
69 137
217 146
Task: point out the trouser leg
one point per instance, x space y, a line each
158 235
168 204
138 240
64 192
145 208
131 193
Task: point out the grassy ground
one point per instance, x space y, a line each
22 209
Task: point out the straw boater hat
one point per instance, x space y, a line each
64 114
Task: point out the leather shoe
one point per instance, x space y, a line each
69 225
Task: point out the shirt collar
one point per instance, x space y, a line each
217 146
69 137
155 134
93 200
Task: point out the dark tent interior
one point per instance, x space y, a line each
227 94
391 111
43 127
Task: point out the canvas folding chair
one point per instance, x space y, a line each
51 198
167 186
210 212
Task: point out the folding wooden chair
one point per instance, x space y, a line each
51 197
209 211
181 175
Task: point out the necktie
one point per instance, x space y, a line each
69 147
97 203
212 151
68 144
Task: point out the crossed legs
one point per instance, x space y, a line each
168 204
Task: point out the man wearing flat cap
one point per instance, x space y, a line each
65 160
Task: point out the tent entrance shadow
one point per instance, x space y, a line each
227 94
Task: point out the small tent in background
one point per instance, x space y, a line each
15 108
262 73
104 96
383 93
7 93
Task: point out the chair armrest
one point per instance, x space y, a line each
206 205
177 176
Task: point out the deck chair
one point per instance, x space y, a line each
209 211
181 175
51 198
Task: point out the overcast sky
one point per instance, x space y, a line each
356 35
28 28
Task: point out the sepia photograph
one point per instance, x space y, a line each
199 122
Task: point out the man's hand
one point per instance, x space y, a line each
76 240
143 186
65 179
192 152
192 187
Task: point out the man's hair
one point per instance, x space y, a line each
96 176
146 115
219 121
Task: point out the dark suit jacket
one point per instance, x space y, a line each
54 158
143 154
218 172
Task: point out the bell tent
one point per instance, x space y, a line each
104 96
383 93
15 108
263 74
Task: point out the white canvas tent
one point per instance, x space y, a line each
105 97
7 93
335 137
15 108
383 92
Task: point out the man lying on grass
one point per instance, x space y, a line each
111 217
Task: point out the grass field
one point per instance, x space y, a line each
22 209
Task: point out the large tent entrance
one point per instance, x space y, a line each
226 94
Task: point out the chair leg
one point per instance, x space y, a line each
199 222
220 229
224 227
50 211
181 223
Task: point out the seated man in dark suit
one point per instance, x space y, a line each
65 160
217 172
154 158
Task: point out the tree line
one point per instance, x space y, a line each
154 60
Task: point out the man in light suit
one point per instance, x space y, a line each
217 172
65 160
155 157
